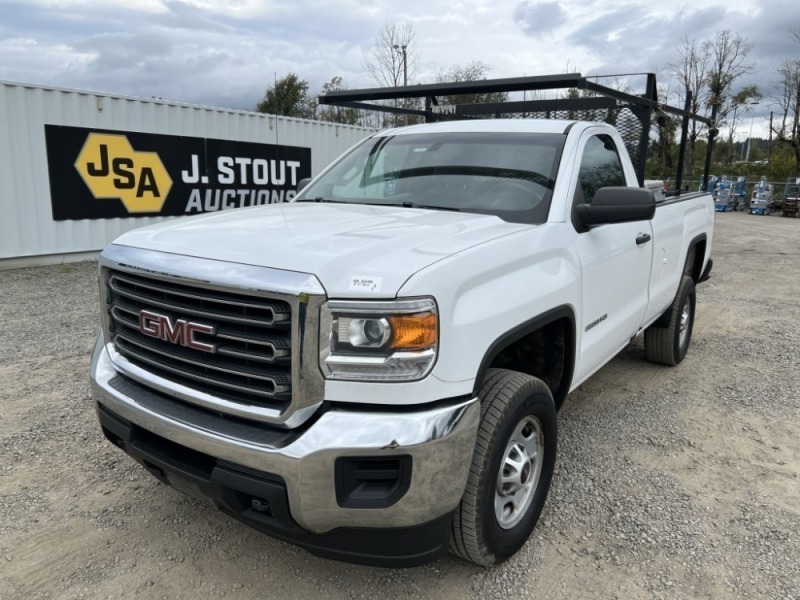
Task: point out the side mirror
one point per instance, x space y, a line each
303 183
616 205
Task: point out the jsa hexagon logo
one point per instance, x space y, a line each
112 169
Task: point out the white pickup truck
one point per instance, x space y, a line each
372 371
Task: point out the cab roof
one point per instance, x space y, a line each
485 125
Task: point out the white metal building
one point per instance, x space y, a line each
31 230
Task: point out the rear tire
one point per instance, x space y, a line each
511 469
668 345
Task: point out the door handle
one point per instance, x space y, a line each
642 238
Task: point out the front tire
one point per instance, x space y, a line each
511 469
668 345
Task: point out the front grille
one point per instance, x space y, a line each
251 338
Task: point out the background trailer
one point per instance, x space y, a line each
77 168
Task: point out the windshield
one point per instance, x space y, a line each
510 175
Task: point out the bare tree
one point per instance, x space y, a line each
691 71
787 127
741 100
746 96
393 45
710 72
729 54
472 71
393 59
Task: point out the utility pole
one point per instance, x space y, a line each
769 159
712 133
402 49
750 138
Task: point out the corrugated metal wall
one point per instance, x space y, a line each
27 227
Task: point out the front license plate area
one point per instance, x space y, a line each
189 488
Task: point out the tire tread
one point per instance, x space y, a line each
497 395
659 342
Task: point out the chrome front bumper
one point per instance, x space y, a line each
440 441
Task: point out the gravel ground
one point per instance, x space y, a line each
671 482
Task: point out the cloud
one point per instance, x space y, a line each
631 39
226 52
537 19
635 39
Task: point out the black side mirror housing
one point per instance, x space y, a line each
616 205
303 183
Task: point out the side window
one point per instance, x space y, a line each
600 167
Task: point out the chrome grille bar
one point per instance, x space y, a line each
215 365
269 349
205 296
188 374
118 287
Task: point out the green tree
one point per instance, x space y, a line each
288 97
337 114
661 160
782 164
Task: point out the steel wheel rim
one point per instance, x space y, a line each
519 473
683 332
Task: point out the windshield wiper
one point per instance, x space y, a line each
321 199
405 204
428 206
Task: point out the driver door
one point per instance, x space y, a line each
615 262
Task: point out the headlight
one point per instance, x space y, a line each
378 341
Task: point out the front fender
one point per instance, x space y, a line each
489 294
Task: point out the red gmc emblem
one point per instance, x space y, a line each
180 331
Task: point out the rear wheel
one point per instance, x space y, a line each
512 466
668 345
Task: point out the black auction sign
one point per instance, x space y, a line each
101 174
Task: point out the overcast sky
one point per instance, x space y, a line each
225 52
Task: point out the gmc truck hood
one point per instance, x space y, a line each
356 251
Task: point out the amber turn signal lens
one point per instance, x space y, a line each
413 332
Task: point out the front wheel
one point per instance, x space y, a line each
511 469
668 345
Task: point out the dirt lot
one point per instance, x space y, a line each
671 483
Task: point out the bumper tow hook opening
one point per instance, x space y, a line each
260 505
